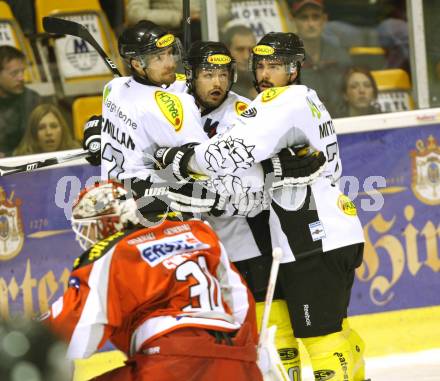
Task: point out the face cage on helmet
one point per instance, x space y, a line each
191 70
145 58
98 228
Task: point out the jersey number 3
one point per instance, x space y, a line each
205 295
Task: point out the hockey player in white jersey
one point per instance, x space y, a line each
143 111
210 71
316 225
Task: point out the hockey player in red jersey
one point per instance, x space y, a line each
166 296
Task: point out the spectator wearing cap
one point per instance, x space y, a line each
326 60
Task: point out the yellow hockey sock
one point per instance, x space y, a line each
285 341
332 357
358 348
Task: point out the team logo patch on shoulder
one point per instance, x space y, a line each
263 50
171 108
165 41
240 107
249 113
270 94
180 77
156 252
219 59
346 205
106 92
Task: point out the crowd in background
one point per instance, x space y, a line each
334 33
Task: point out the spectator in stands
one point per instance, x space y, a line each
325 61
16 100
359 93
393 35
240 40
47 131
168 14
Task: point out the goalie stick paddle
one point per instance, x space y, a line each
62 26
29 167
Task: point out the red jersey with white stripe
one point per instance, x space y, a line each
135 286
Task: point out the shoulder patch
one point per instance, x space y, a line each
240 107
180 77
171 108
346 205
106 91
98 250
270 94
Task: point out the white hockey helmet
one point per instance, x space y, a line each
102 210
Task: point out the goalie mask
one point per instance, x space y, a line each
285 47
145 41
209 59
100 211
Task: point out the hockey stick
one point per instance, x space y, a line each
186 26
72 28
268 358
29 167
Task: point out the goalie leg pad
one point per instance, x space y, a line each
285 341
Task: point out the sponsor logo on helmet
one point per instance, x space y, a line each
219 59
249 113
346 205
263 50
165 41
288 353
323 374
272 93
240 107
171 108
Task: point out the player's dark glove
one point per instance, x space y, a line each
177 157
194 197
295 166
92 139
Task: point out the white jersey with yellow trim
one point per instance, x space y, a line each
303 220
137 119
234 232
224 116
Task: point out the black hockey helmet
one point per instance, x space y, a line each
146 38
287 47
208 55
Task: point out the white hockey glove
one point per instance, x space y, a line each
194 197
177 157
295 166
92 139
